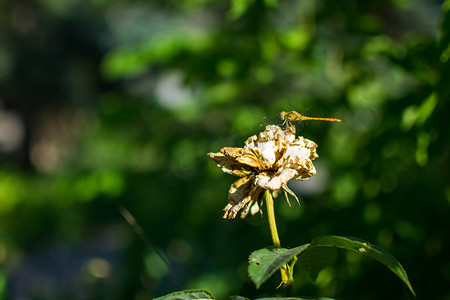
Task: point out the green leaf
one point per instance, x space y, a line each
366 249
316 256
187 295
265 262
315 259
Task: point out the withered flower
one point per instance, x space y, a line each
267 162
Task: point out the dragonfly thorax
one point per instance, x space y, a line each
290 116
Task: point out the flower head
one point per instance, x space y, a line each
267 161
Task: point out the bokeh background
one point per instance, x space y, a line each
106 104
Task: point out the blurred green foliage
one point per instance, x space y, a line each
109 103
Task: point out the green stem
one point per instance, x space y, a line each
274 233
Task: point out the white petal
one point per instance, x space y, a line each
266 182
268 151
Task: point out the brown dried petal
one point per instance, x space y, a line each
230 165
233 152
252 207
303 147
274 132
251 159
239 190
242 193
307 169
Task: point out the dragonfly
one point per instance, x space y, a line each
290 117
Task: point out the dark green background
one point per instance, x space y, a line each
110 103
